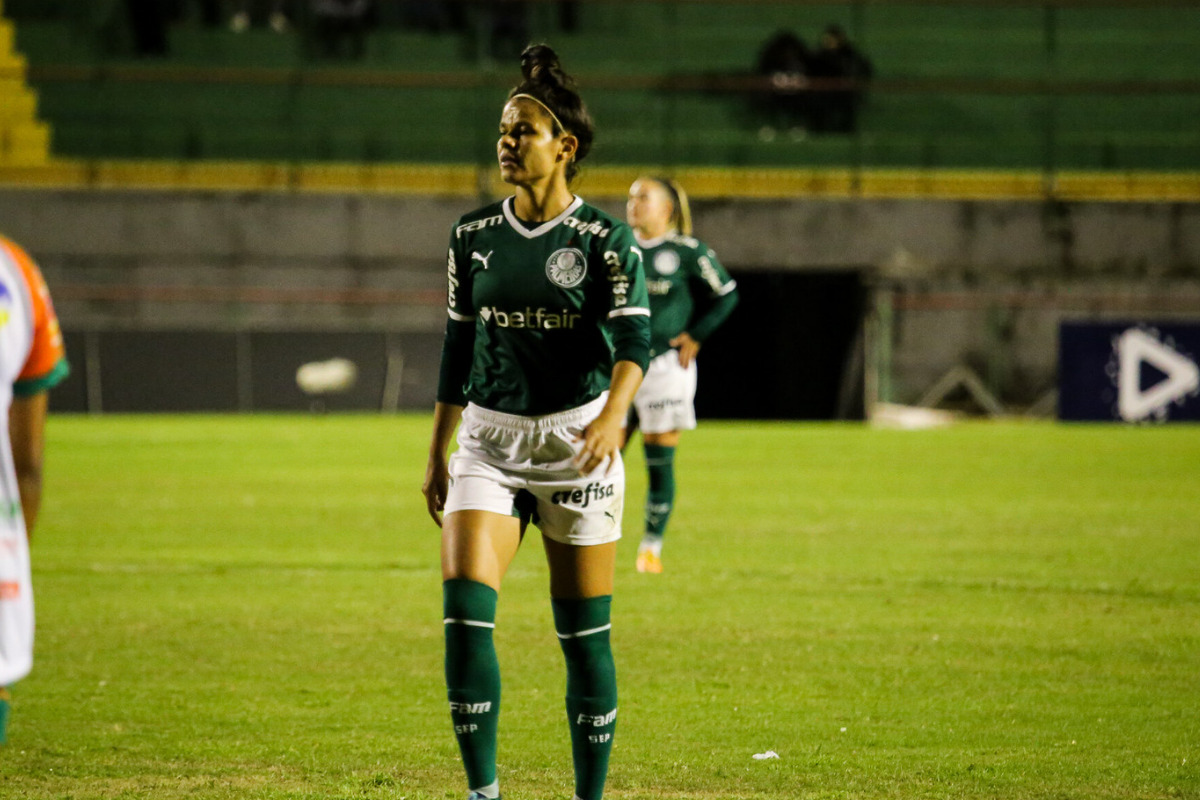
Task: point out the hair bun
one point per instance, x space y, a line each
544 80
539 65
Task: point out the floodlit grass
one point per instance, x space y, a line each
249 607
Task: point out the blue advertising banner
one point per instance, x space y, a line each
1129 372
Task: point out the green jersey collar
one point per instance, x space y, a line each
520 228
656 241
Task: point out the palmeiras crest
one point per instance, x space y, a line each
666 262
566 268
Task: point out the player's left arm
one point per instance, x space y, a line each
45 366
26 431
629 326
717 295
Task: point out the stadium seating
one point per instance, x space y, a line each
966 85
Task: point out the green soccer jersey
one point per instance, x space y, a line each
689 289
550 307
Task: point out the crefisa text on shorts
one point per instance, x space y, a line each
583 497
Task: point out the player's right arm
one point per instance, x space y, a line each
457 352
437 473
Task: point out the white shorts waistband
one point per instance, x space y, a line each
547 422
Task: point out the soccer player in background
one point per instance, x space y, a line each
546 344
691 294
31 362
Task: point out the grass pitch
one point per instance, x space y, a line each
249 607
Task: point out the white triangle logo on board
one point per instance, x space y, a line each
1136 347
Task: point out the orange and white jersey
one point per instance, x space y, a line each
31 344
31 361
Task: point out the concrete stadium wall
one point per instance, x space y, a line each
980 283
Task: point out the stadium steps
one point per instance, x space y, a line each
24 140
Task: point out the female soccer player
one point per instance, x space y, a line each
691 294
546 344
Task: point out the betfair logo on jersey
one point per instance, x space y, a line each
583 497
470 708
536 318
477 225
597 720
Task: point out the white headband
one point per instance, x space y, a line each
553 116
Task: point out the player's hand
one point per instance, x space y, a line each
437 484
688 348
601 440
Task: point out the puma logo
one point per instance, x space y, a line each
482 259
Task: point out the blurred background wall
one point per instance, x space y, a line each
217 195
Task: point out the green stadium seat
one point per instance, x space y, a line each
414 52
158 141
998 151
256 142
218 47
55 42
1159 152
890 151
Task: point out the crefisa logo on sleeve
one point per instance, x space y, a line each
566 268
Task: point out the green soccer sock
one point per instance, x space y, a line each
660 498
5 698
583 631
473 678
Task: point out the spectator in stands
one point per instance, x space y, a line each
842 74
435 16
248 10
148 21
568 15
784 62
340 27
210 11
508 28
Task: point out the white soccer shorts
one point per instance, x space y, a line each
16 605
666 399
510 464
